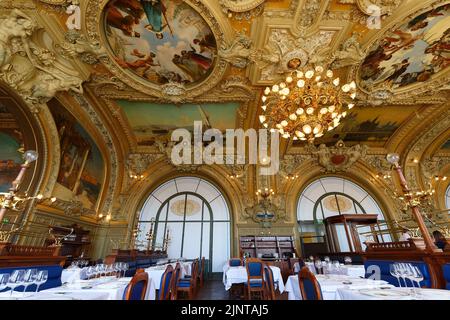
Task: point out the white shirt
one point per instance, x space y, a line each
405 236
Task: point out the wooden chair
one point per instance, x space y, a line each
309 286
269 284
174 282
165 284
137 288
235 262
255 277
188 285
201 272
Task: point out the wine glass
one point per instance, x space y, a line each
4 278
16 279
318 265
417 277
29 278
326 259
41 278
126 266
393 269
90 271
347 260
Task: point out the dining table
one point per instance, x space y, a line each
330 283
236 275
394 293
104 288
156 272
345 269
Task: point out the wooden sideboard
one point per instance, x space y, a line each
12 255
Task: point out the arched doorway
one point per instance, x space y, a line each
331 196
197 217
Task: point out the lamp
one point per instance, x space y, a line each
307 104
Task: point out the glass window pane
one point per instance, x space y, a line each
207 190
194 208
206 240
305 210
219 209
177 206
165 191
221 241
176 236
150 209
333 184
187 184
354 191
192 233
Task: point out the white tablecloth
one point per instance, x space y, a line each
157 272
232 275
107 288
393 294
329 285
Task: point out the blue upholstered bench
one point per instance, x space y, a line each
54 277
384 267
132 265
446 271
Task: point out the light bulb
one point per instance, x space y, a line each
39 196
336 82
331 108
275 88
293 116
53 199
282 85
267 91
300 83
350 105
346 88
309 74
353 95
264 98
264 107
310 110
330 74
307 129
284 123
299 111
323 111
317 129
289 79
299 74
262 119
319 69
30 156
393 158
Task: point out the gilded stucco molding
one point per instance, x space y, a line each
242 9
375 7
27 66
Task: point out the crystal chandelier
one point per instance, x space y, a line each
307 104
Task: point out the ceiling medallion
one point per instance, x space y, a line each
307 104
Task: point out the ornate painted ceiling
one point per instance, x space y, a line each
131 70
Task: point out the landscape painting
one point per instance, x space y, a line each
412 53
371 126
11 150
82 167
161 41
148 120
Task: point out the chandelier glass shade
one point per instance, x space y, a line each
307 104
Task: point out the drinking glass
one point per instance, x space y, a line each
90 271
417 277
326 259
393 269
29 278
125 268
347 260
41 278
4 278
16 279
318 265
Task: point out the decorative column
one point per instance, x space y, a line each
394 158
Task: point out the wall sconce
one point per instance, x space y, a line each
136 176
104 218
291 176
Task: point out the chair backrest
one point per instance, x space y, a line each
269 284
235 262
174 284
255 270
164 288
202 268
194 274
446 273
137 287
309 286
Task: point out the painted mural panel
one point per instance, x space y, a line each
412 53
149 120
82 166
371 126
161 41
11 150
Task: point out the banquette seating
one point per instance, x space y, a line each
54 276
372 266
446 273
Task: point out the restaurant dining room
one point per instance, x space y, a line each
191 153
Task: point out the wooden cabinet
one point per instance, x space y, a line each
268 247
73 245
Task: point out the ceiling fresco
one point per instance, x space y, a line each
149 120
371 126
412 53
160 41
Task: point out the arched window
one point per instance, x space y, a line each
447 198
196 214
331 196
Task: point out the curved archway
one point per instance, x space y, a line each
331 195
447 198
196 215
